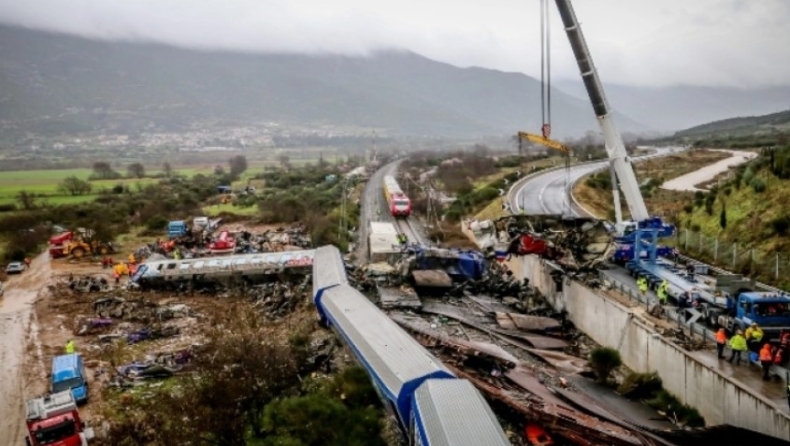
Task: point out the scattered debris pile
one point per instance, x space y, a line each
199 244
89 284
575 243
161 365
277 299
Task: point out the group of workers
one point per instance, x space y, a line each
752 342
662 292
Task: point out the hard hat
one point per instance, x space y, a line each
754 324
739 331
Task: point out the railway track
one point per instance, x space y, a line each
407 226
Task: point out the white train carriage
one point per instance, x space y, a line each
451 412
248 267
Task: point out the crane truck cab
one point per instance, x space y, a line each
771 311
626 229
54 420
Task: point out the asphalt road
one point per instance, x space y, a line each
549 193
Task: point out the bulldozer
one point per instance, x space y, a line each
71 244
79 248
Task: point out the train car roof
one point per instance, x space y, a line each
264 258
451 412
392 356
329 268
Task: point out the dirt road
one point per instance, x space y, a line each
689 181
15 324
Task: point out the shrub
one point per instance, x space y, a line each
156 223
757 184
640 385
7 207
603 361
689 208
780 225
666 402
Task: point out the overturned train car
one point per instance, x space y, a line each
432 406
239 270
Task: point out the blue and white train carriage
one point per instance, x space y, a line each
430 403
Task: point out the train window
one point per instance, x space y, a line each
184 266
226 263
172 265
212 263
199 264
241 261
159 268
256 261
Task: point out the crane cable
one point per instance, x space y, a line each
545 85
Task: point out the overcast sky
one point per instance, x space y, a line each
641 42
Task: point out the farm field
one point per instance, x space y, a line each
44 183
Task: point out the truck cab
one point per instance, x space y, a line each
771 311
176 228
68 374
54 420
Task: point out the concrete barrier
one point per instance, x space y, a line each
718 398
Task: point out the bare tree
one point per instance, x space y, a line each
74 186
167 169
135 170
238 164
103 170
26 199
285 161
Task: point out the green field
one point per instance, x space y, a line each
44 183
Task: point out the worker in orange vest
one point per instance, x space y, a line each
721 341
766 359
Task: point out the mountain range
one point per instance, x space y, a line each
52 84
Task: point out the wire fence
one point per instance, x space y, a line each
770 267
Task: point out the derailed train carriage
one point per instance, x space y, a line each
235 270
432 406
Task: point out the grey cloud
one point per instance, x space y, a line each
704 42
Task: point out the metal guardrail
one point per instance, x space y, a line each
721 271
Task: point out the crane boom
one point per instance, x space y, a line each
615 147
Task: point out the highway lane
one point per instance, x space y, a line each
549 193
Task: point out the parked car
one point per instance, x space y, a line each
15 268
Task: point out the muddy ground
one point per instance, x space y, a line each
39 313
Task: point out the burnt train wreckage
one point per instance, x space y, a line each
239 270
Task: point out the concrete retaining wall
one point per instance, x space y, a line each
718 398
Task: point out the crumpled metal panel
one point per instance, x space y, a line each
386 350
328 268
453 413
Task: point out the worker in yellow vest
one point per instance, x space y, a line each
641 282
663 292
70 347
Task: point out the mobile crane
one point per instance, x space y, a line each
640 236
732 304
